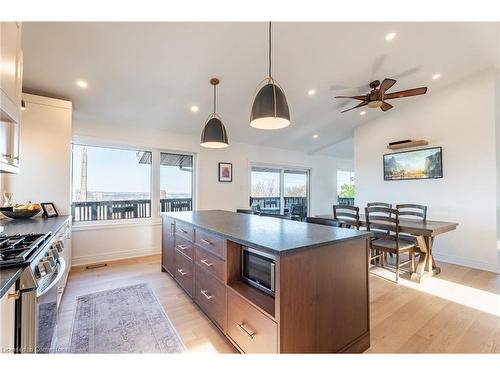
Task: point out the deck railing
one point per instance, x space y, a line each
274 202
126 209
346 201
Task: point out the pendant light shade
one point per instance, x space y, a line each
214 133
270 107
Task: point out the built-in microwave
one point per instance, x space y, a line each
258 269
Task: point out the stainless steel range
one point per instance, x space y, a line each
36 309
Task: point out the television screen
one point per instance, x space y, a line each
413 165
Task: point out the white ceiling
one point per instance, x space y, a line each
149 74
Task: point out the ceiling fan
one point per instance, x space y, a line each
378 96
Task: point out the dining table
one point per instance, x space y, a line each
425 232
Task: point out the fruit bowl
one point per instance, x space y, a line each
19 213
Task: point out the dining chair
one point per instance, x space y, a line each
384 224
322 221
348 216
416 212
296 212
379 204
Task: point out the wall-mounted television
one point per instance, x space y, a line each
419 164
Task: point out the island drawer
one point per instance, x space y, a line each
184 272
184 230
210 263
184 246
210 242
251 330
210 294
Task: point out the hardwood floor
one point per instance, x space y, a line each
456 312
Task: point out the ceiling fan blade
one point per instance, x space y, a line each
359 105
407 72
386 84
405 93
377 64
385 106
359 97
343 103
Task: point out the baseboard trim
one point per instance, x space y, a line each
466 262
113 256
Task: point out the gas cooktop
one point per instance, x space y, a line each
17 250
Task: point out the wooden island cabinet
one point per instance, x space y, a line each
321 301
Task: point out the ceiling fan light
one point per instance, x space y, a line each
270 108
375 104
214 134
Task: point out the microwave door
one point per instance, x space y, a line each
258 269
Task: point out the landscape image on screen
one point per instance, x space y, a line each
418 164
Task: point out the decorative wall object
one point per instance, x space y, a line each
225 172
413 165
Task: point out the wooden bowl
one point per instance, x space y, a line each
20 214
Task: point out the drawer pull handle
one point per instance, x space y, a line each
207 296
182 272
206 241
14 295
205 262
182 247
250 333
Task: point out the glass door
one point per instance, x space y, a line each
266 190
296 187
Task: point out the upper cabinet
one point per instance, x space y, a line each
11 78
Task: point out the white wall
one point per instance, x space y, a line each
461 119
115 240
45 153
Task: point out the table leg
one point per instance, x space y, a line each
426 263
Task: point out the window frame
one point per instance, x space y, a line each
155 217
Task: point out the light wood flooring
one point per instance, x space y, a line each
456 312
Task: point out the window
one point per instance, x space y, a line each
345 187
280 191
176 182
110 184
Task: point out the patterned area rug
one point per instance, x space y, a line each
123 320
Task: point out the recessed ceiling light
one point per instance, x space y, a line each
82 84
315 136
311 92
194 108
436 76
390 36
362 113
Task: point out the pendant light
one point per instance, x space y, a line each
214 133
270 108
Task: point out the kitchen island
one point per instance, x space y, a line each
321 297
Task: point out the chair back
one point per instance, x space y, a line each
416 210
383 223
278 216
244 211
348 216
255 207
323 221
379 204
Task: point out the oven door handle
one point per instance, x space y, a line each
60 272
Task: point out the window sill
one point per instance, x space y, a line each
112 224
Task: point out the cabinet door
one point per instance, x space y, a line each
7 322
168 245
10 74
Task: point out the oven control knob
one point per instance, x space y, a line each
41 269
49 268
59 246
51 260
53 253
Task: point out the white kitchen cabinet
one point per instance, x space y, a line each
7 321
11 77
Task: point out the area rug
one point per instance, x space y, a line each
123 320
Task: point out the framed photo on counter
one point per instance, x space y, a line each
49 210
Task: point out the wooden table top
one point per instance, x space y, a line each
429 228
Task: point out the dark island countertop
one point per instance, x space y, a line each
273 234
8 276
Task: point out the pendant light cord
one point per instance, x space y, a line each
215 97
270 49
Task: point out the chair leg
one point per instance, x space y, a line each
397 267
412 261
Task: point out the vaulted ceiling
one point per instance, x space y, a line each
150 74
